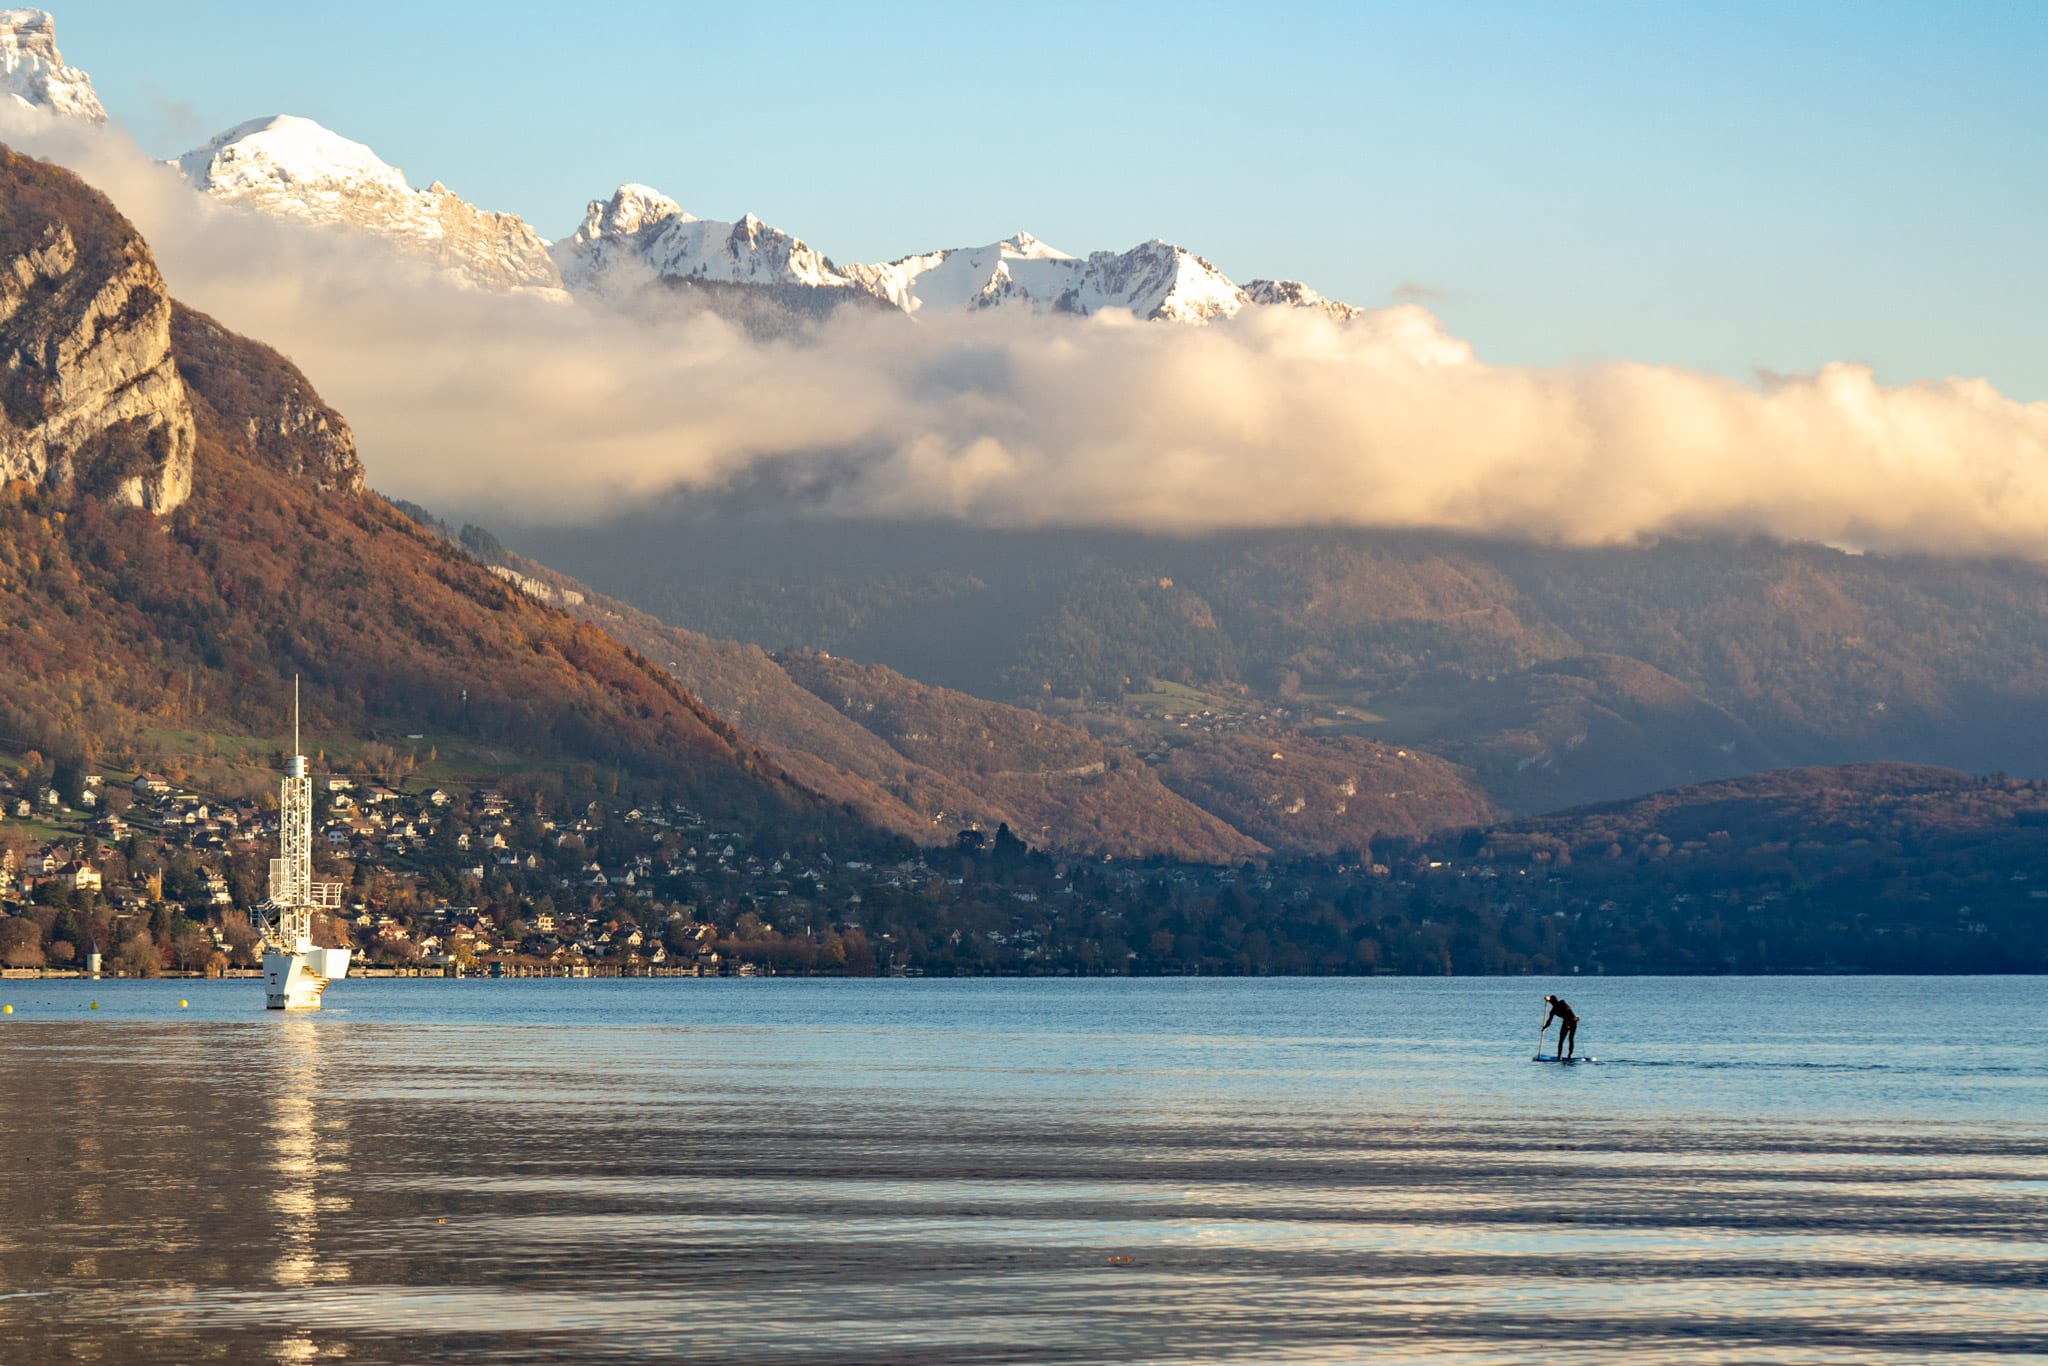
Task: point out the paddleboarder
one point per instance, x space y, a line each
1567 1025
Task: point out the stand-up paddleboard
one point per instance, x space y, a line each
1568 1062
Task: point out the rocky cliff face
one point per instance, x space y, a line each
258 404
32 71
89 391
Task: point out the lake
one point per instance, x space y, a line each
1188 1170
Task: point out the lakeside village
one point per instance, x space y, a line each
139 877
529 879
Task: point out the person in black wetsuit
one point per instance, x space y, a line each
1567 1025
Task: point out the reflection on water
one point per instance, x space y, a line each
886 1172
309 1155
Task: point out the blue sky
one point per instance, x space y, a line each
1729 186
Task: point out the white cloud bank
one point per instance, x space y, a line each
1277 418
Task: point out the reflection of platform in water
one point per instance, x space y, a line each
296 974
308 1153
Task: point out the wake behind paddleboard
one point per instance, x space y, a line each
1568 1062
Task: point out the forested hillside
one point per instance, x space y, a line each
1874 868
1559 675
924 761
1049 775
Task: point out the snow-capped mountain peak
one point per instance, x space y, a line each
295 168
1025 245
1156 280
32 71
631 208
641 234
284 151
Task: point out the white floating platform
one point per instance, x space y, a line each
296 981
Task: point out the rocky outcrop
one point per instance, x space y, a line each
258 404
493 250
564 598
91 393
32 71
1295 294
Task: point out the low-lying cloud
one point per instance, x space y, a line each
462 398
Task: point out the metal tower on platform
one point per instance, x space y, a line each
295 974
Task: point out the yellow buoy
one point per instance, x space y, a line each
6 1010
94 1006
181 1003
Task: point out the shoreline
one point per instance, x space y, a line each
26 975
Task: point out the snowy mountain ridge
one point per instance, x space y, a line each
295 168
641 235
1153 280
32 71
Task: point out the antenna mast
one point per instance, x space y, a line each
294 895
296 972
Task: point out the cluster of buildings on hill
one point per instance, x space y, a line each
159 876
435 878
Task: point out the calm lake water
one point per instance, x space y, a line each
1782 1170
